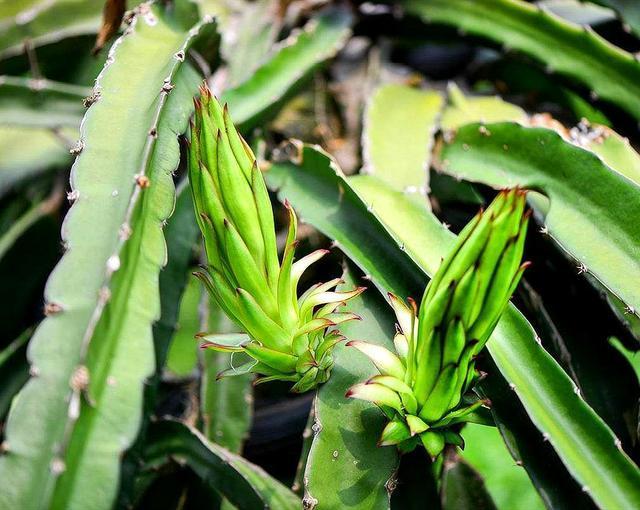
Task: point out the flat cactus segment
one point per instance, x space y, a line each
91 355
574 51
592 209
294 61
399 125
418 240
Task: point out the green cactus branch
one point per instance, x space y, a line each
245 485
584 443
593 222
93 351
40 103
577 52
292 63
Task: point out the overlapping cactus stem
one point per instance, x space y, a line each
424 387
288 337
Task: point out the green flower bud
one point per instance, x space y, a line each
286 334
422 384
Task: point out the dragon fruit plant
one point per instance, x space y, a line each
422 387
385 126
287 336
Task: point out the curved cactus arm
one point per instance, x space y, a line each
577 52
400 116
326 199
257 25
245 485
255 99
40 103
44 22
592 209
90 356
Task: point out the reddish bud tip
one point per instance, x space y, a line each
349 393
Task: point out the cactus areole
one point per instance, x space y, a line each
423 387
288 337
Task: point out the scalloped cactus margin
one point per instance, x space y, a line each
577 52
91 295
